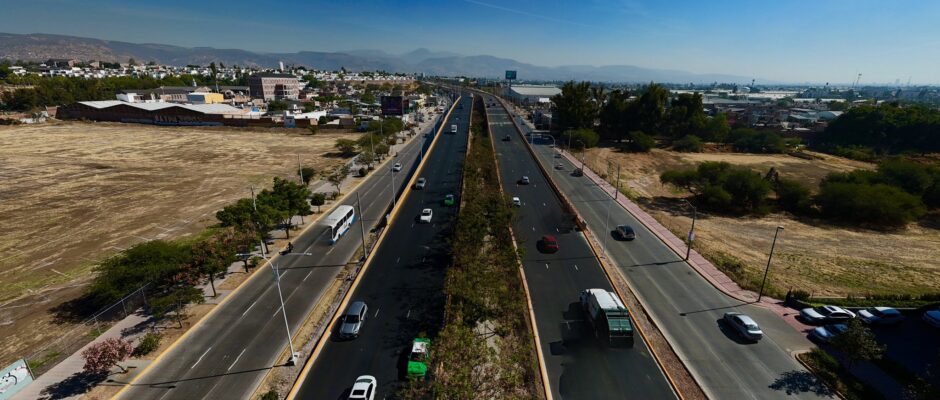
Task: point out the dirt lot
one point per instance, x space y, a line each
75 193
810 255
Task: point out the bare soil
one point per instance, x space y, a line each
75 193
812 255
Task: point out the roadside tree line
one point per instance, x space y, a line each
896 193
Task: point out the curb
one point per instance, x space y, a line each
525 284
362 271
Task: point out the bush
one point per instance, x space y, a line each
147 344
270 395
793 196
580 138
760 142
640 142
689 144
721 186
879 205
363 171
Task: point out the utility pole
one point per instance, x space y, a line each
277 279
691 237
362 228
300 170
767 269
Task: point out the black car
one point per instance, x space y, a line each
507 138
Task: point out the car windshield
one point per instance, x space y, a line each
876 312
824 311
359 393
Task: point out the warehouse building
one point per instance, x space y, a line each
158 113
531 94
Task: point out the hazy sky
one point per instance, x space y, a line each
785 40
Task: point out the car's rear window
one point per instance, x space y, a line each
359 392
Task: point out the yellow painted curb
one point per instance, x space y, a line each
329 328
231 294
525 284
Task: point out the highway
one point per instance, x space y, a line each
578 367
227 355
686 307
403 284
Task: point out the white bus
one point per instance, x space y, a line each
339 221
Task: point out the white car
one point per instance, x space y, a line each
516 202
744 325
426 215
825 315
364 388
880 316
396 167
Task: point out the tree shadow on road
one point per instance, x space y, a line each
796 382
75 385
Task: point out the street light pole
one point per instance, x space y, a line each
767 269
691 237
362 228
277 279
300 170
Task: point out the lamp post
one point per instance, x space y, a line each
583 148
767 269
691 237
277 279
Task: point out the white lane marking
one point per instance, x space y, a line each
200 358
330 250
308 275
249 307
557 230
576 267
412 224
376 313
409 314
533 229
544 205
236 360
275 312
397 260
546 266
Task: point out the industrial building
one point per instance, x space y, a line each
531 94
161 113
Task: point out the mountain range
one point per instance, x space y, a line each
41 47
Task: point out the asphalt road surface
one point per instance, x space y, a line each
578 366
687 308
403 285
230 352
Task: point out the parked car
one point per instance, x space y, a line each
426 215
506 138
932 318
825 315
421 183
744 325
548 244
364 388
524 180
449 200
516 202
625 232
396 167
880 316
352 320
828 332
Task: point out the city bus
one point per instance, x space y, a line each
339 221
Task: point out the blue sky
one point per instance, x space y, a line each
786 40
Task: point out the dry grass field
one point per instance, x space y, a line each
811 255
75 193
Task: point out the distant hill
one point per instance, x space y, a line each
41 47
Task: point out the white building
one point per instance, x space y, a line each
531 94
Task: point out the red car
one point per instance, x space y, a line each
548 244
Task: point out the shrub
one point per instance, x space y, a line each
147 344
879 205
793 196
363 171
579 138
270 395
689 143
640 142
760 142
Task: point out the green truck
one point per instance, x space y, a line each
418 359
608 316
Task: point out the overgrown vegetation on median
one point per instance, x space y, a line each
485 349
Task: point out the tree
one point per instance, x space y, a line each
313 129
574 106
758 142
338 175
686 116
688 143
307 174
793 196
878 205
367 158
580 138
721 186
857 344
131 61
212 256
615 118
318 199
716 129
367 98
346 146
277 105
100 357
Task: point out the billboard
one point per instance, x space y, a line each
13 378
393 105
510 74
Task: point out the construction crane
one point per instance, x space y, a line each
856 80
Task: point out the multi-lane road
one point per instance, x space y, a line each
227 355
402 286
685 306
578 366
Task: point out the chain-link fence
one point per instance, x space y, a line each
71 341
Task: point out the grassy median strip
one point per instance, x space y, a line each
484 349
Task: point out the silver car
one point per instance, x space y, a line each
421 183
744 325
352 320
